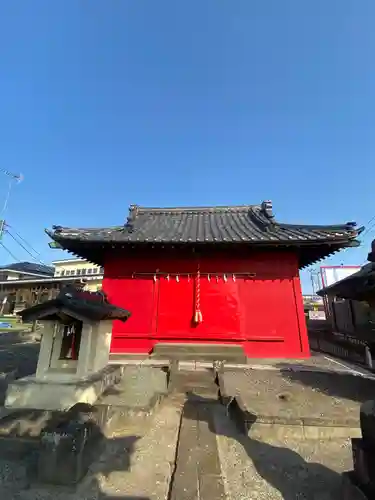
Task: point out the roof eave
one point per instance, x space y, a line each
68 240
95 254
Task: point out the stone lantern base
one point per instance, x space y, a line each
74 353
33 393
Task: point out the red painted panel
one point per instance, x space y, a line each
270 314
220 307
265 313
175 307
304 339
137 296
221 311
268 307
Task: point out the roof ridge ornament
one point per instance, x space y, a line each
267 209
133 212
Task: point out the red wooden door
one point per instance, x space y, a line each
219 304
175 308
221 312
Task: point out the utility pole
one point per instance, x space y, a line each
12 178
17 178
311 271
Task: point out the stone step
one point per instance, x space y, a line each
137 394
199 352
200 383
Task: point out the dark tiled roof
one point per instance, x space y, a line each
30 267
92 306
249 224
241 226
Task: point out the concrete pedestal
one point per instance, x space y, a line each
33 393
59 383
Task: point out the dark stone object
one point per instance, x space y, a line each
364 467
76 303
69 444
367 421
371 255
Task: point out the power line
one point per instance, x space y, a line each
23 246
10 253
372 218
368 230
22 239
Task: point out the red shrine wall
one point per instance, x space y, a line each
264 313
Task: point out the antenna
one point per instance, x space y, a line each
13 178
17 177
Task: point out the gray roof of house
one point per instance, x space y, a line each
29 267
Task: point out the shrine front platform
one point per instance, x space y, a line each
296 401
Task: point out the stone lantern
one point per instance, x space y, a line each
74 352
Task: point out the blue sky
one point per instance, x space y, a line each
104 103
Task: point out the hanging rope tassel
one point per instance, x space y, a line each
198 314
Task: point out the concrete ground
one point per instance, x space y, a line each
136 463
140 460
19 351
333 397
282 469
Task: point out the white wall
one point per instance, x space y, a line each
76 267
332 274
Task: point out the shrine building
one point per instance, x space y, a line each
212 275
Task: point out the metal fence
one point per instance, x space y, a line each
343 346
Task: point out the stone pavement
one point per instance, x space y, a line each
198 473
189 449
285 469
136 463
331 397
